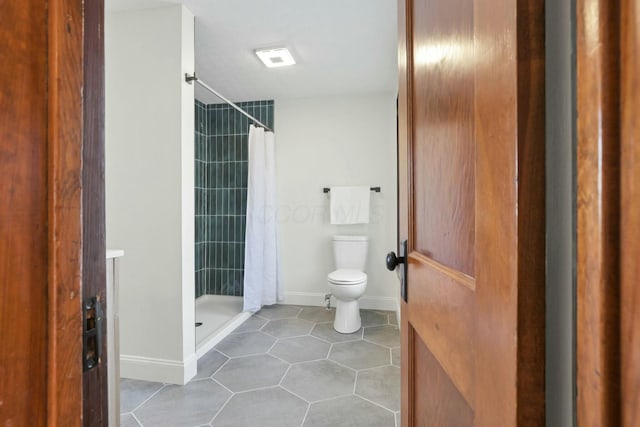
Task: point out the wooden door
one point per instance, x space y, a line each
50 230
471 147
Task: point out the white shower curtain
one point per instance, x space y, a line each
261 267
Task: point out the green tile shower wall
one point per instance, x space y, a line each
221 135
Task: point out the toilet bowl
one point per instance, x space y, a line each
347 286
349 281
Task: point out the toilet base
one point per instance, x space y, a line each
347 318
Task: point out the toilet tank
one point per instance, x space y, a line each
350 252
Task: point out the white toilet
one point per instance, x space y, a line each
348 282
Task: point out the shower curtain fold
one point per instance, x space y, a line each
261 265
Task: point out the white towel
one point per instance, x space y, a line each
350 205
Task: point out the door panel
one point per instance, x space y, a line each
471 137
444 405
443 316
444 145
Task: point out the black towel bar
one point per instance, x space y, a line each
327 189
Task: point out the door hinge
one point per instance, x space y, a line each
92 333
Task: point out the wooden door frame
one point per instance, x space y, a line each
77 248
95 393
630 213
53 145
64 390
608 211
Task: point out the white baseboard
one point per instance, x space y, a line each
378 303
158 370
317 299
304 298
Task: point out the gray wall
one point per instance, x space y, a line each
560 102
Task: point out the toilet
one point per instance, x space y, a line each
349 281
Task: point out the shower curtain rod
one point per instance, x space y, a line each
190 79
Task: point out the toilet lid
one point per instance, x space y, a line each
347 277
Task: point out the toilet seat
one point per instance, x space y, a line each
347 277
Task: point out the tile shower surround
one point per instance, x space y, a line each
221 168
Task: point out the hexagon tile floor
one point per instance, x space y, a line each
285 366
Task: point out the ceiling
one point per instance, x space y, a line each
341 46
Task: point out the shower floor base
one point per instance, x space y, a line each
219 315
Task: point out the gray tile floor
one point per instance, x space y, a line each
285 366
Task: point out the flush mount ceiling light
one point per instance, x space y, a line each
278 57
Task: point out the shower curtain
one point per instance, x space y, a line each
261 267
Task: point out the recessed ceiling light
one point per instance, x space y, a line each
279 57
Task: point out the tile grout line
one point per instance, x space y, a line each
222 407
267 387
284 387
304 361
220 367
285 374
272 345
320 339
342 365
137 420
341 396
223 386
376 404
148 398
305 414
286 337
375 343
